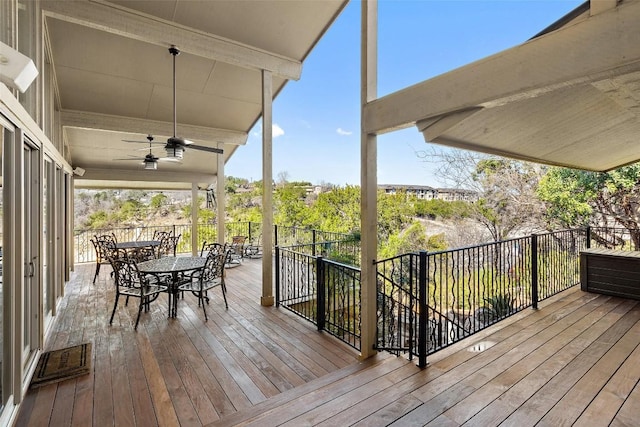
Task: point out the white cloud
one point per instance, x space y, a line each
343 132
276 131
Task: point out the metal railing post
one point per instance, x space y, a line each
275 235
277 266
249 233
423 315
534 271
588 236
321 296
313 239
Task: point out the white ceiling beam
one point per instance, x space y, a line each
87 120
130 185
603 46
135 25
434 127
142 175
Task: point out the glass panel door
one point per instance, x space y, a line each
5 136
47 238
25 289
30 289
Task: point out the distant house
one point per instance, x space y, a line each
429 193
457 194
420 191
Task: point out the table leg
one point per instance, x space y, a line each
174 293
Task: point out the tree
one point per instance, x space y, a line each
158 200
508 202
564 192
282 178
601 197
413 238
290 206
394 214
506 188
337 210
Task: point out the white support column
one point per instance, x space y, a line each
194 219
267 190
220 198
368 181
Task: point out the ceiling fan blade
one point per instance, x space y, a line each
209 149
168 159
140 159
142 142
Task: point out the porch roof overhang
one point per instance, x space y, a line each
569 96
112 71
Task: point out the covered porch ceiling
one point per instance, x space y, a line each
114 78
570 96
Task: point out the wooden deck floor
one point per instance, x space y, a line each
182 371
575 361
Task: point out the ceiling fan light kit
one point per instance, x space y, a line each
151 166
173 149
175 145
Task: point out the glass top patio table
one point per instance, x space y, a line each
172 265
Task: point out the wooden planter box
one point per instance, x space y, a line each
610 272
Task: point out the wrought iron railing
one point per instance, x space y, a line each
323 291
84 251
428 301
614 238
558 260
398 298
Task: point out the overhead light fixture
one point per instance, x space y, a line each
151 165
173 149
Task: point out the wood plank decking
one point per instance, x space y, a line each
576 361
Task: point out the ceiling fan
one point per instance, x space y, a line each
175 145
149 161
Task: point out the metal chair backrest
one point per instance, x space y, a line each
213 268
168 245
126 273
211 247
237 245
104 245
159 235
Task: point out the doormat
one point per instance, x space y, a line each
63 364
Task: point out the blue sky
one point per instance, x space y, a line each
317 119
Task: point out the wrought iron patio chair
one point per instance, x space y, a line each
208 247
103 245
168 246
131 283
209 277
236 251
254 248
143 254
159 235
